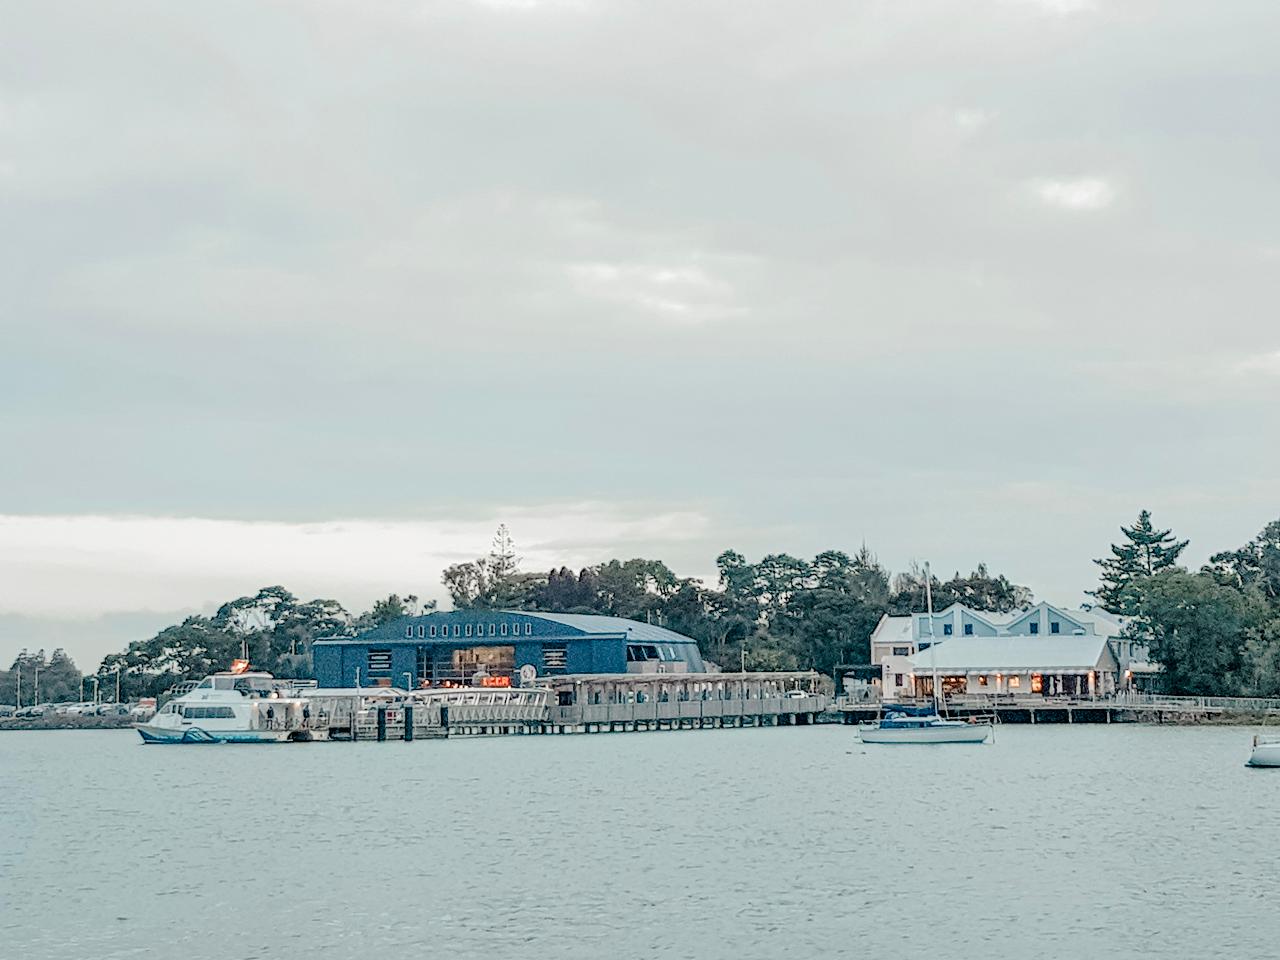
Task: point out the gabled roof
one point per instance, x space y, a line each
1064 614
892 629
992 619
1014 654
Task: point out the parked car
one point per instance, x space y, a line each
142 711
80 710
112 710
32 712
7 710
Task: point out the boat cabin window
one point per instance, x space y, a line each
205 684
201 712
224 683
169 707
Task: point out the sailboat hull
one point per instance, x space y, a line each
1265 754
933 733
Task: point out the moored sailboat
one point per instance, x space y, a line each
899 723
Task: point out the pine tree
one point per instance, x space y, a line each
1145 552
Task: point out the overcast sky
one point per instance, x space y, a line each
316 293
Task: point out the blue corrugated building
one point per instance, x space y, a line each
459 646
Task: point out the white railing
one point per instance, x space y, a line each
1236 704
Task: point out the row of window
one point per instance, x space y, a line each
461 630
208 713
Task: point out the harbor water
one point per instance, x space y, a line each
1055 842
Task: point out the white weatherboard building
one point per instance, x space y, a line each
1042 651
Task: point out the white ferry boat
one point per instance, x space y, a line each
231 707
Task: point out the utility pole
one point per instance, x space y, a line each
19 697
37 694
117 683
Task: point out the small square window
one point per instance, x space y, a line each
968 629
1015 682
946 629
1035 627
1055 626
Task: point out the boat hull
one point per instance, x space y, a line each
943 733
1265 755
152 734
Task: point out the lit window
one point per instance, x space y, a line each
982 680
1015 681
968 629
946 629
1054 626
1035 627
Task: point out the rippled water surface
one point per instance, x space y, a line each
794 842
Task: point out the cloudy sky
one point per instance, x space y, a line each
317 292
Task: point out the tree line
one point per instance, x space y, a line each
1214 631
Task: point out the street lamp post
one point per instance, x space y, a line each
95 689
37 693
117 683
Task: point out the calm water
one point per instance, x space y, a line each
1055 842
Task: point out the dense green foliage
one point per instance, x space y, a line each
1215 632
53 680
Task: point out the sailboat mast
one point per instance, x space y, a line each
933 656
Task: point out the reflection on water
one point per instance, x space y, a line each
1054 842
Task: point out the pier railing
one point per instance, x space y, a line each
1151 701
673 710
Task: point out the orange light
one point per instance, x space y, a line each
239 666
495 681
